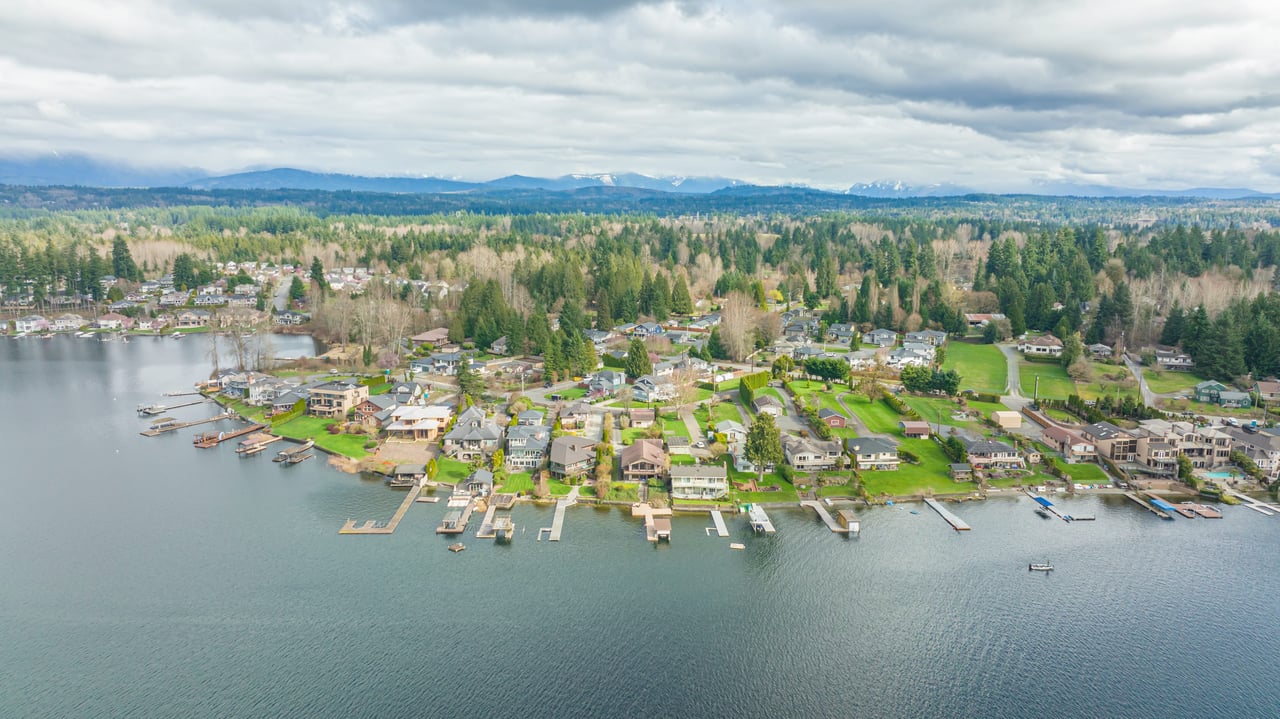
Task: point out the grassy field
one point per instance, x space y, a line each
1054 381
1167 381
572 393
722 411
683 459
1085 473
827 400
982 368
452 471
1107 379
347 445
518 482
878 416
930 474
672 424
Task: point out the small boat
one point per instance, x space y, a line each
737 545
1040 567
457 547
914 511
1041 511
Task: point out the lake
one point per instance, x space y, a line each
145 578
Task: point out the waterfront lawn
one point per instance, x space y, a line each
786 493
1054 381
878 416
248 411
1170 381
909 479
347 445
452 471
838 490
558 488
518 482
621 492
1083 473
982 368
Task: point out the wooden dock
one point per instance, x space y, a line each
213 440
157 431
657 522
825 516
255 443
759 520
718 520
455 520
486 523
1262 508
1203 510
285 455
956 523
155 409
557 522
183 394
374 526
1147 505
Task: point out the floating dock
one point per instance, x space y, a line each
1147 505
210 440
297 459
657 522
158 430
759 520
486 523
373 526
557 522
255 443
1048 507
154 409
1260 507
1203 510
718 520
826 517
956 523
455 520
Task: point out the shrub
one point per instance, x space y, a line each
371 444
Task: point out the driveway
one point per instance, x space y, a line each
1148 397
1015 378
855 421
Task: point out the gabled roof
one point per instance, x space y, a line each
571 450
726 426
985 447
699 471
870 445
1103 430
643 450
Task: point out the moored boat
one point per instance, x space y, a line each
1040 567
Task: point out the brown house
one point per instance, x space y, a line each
643 461
914 429
335 399
832 418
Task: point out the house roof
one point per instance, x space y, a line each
1103 430
766 401
480 476
411 469
571 450
699 471
870 445
381 401
986 446
911 425
1043 341
728 425
644 415
793 445
1267 387
643 450
825 413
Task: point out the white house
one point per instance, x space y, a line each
705 481
1042 346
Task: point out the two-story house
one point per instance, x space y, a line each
1261 447
880 338
650 388
735 435
699 481
1073 447
1167 359
571 456
473 435
527 445
873 453
808 455
933 338
643 460
989 454
335 399
1111 441
417 423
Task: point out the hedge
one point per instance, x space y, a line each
748 385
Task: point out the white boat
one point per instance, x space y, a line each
1040 567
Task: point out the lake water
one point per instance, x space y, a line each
140 577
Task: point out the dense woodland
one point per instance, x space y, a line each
1130 282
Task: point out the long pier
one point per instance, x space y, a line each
557 522
759 520
213 440
373 526
657 522
155 409
157 431
183 394
956 523
1048 506
1263 508
825 516
486 523
718 519
1147 505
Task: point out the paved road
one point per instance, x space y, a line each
1148 397
281 298
1015 378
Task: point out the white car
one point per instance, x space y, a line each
1232 421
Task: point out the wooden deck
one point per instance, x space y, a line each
826 517
161 409
718 519
450 525
657 522
157 431
557 522
956 523
374 526
759 520
213 440
1203 510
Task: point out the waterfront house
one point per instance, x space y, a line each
289 318
1168 359
1069 444
286 402
30 323
571 456
527 446
914 429
1219 394
1042 346
473 435
479 483
408 474
961 471
873 453
988 454
699 481
650 388
68 323
415 423
832 418
643 460
237 384
1111 442
263 390
768 404
880 338
933 338
194 318
1157 456
807 454
1261 447
335 399
735 435
367 411
1204 447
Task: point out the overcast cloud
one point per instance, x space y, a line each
990 95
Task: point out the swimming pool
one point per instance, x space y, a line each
1221 475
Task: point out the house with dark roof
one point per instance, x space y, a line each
473 435
873 453
643 460
880 338
933 338
414 422
807 454
1099 351
1267 390
479 483
767 404
832 418
1072 446
527 445
1111 442
571 456
988 454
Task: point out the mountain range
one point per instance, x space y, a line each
87 171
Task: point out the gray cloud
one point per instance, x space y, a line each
992 96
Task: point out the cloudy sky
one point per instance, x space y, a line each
989 95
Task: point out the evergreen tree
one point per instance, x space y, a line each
122 263
1171 334
681 301
470 383
317 273
715 345
1072 349
764 443
637 363
296 289
604 313
660 304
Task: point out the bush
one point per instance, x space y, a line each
371 444
906 456
897 405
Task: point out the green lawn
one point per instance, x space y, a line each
683 459
453 471
573 393
518 482
672 424
1106 379
1054 381
1085 473
1170 381
558 488
982 368
826 400
382 388
908 479
622 492
347 445
257 414
878 416
787 493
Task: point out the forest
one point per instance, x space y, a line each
1132 281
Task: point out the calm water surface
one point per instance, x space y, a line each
140 577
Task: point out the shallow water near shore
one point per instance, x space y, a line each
142 577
